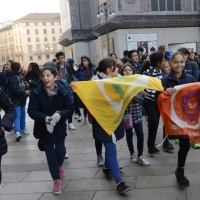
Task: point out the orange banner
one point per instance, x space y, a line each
181 111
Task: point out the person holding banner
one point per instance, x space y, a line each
107 69
178 76
135 109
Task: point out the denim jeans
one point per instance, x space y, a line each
140 139
20 121
55 157
111 161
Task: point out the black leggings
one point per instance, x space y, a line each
98 146
184 147
153 113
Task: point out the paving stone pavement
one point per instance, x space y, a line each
26 175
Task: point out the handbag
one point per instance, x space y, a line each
40 141
127 119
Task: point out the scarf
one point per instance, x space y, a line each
53 92
87 75
100 75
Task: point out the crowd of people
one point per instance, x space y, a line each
54 83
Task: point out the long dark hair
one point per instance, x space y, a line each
88 59
35 70
104 64
155 58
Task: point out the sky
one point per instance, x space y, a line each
15 9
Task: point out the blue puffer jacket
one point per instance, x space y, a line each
170 80
80 73
41 106
17 96
192 68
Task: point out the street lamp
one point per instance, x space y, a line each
104 11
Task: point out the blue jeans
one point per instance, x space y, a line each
111 161
20 121
140 139
55 157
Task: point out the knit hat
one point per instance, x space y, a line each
168 54
70 61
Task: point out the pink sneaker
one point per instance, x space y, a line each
62 174
57 187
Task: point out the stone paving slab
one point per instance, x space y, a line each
13 177
20 197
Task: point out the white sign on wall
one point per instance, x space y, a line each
175 47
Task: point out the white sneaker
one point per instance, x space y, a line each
79 118
142 160
66 156
86 120
18 136
71 126
134 158
76 116
25 132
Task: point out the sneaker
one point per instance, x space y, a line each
100 161
72 127
195 145
57 187
76 116
66 156
156 151
134 158
18 136
25 132
167 146
122 188
86 120
79 118
176 141
108 174
142 160
62 174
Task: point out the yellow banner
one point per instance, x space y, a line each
107 99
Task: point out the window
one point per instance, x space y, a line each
54 38
21 50
36 23
54 46
52 23
27 24
45 39
45 31
16 41
38 47
37 39
29 39
44 23
28 32
53 31
17 50
60 31
47 57
39 57
166 5
46 47
29 48
20 40
36 31
31 58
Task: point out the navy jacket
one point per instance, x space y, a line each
136 68
192 68
170 80
68 71
80 73
6 121
41 106
17 96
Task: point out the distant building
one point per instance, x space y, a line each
146 23
32 38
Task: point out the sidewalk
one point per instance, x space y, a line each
26 175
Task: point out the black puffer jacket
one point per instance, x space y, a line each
6 121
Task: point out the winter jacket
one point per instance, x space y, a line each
34 81
99 134
136 68
170 80
4 79
80 73
192 68
40 106
68 71
17 96
6 121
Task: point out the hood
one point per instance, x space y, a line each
12 73
61 88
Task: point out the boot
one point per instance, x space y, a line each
181 179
